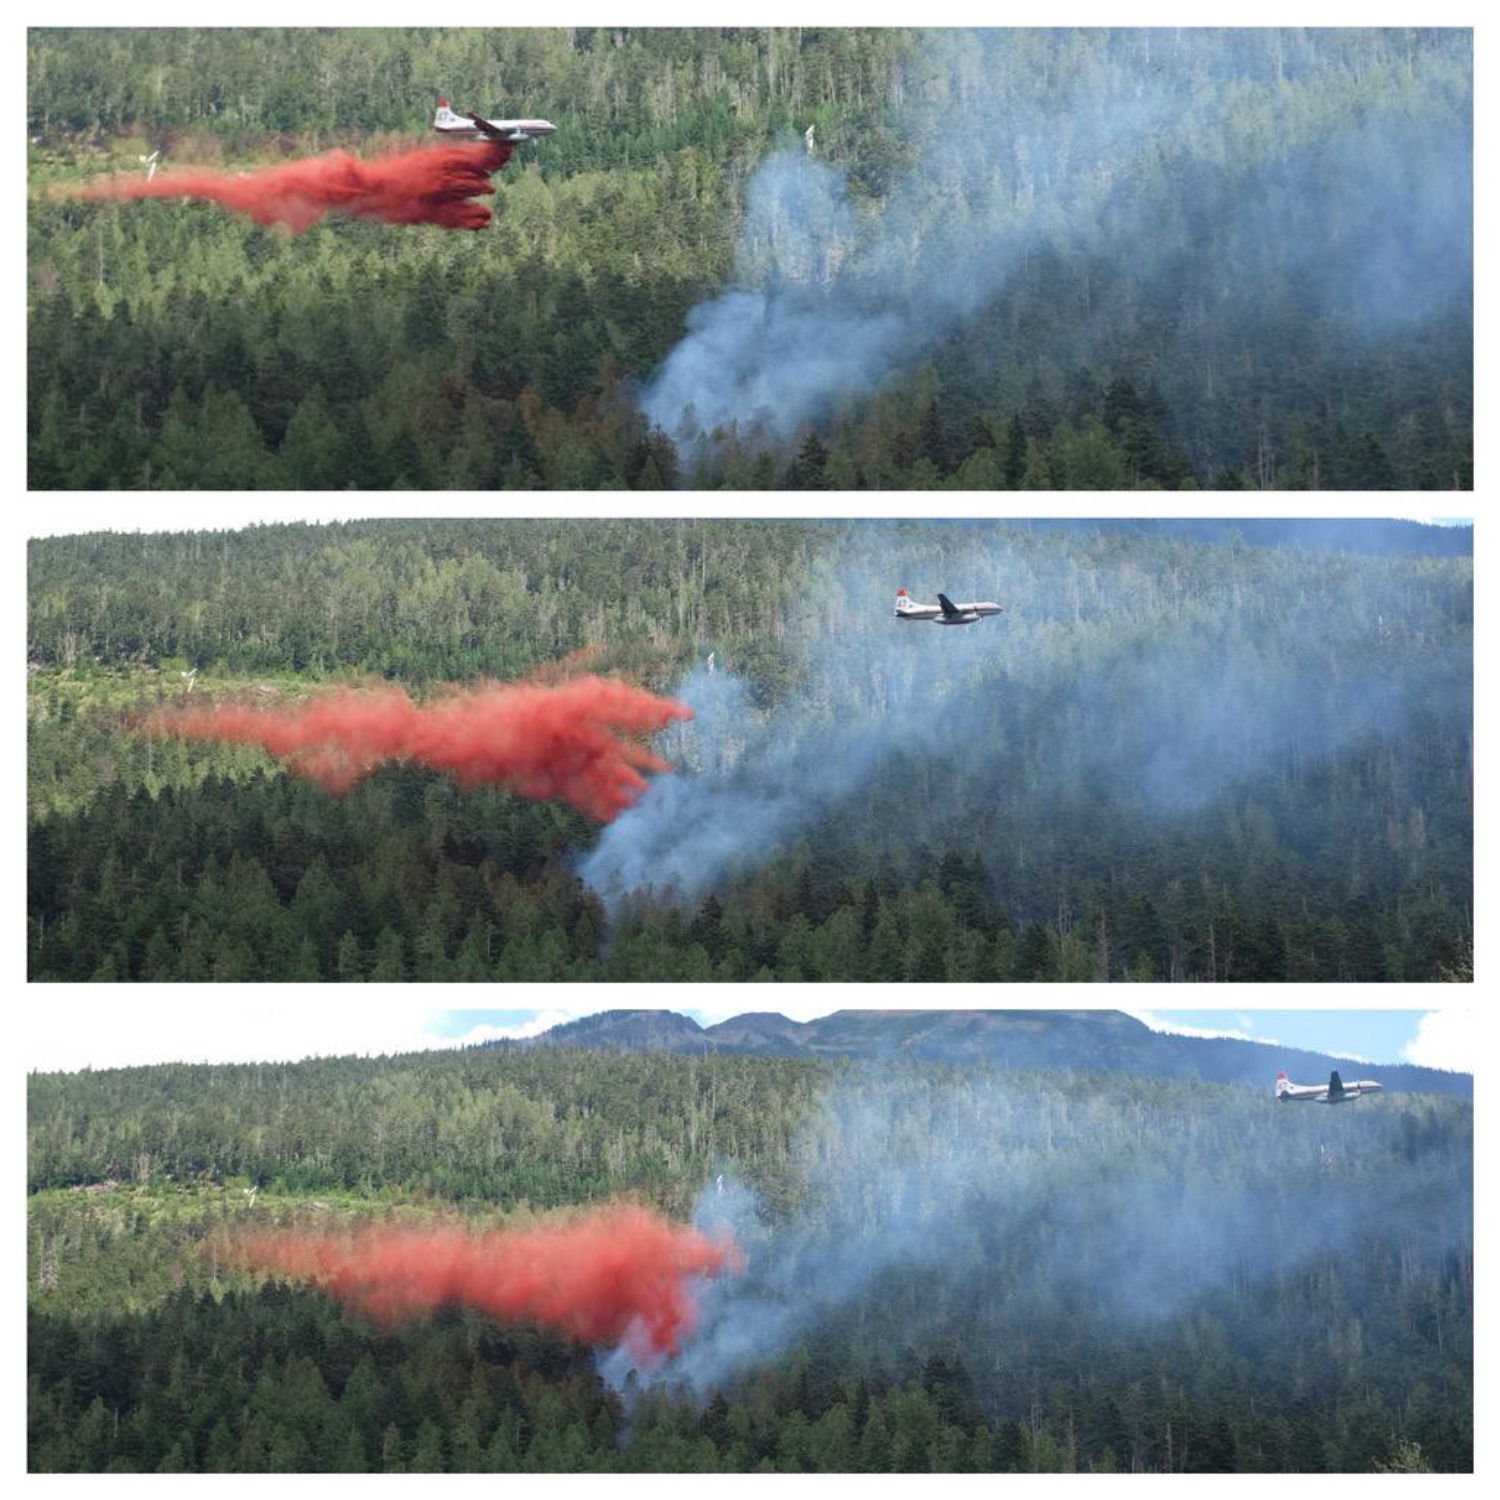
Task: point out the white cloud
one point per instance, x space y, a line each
1176 1028
244 1023
1444 1039
70 515
233 1024
543 1020
1243 1030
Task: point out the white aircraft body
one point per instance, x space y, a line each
1335 1091
467 127
945 611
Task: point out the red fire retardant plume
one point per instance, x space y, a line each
621 1275
430 185
569 742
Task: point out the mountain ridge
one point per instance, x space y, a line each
1080 1040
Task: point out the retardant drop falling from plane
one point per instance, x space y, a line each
619 1277
571 742
428 185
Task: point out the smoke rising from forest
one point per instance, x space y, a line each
949 1212
1350 200
575 741
429 185
617 1276
753 781
1107 681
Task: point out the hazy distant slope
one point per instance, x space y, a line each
1079 1040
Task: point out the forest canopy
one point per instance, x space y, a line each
1167 759
948 1269
761 258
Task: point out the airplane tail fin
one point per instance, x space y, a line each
1283 1085
445 115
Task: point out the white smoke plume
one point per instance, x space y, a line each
973 1201
1096 676
1142 147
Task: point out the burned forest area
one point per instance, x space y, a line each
753 259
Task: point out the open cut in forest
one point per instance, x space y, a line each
1230 752
808 259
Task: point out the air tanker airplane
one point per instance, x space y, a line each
944 612
1335 1091
467 127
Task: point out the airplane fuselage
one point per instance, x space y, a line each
467 127
1335 1091
945 611
506 130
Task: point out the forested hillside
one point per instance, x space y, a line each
809 258
1166 760
945 1269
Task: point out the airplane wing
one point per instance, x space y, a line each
1338 1091
495 140
949 607
485 126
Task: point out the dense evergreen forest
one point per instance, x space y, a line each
762 259
946 1269
1167 760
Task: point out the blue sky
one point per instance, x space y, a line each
225 1028
1374 1036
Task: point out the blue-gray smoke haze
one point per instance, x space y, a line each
1112 672
986 1201
1313 190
